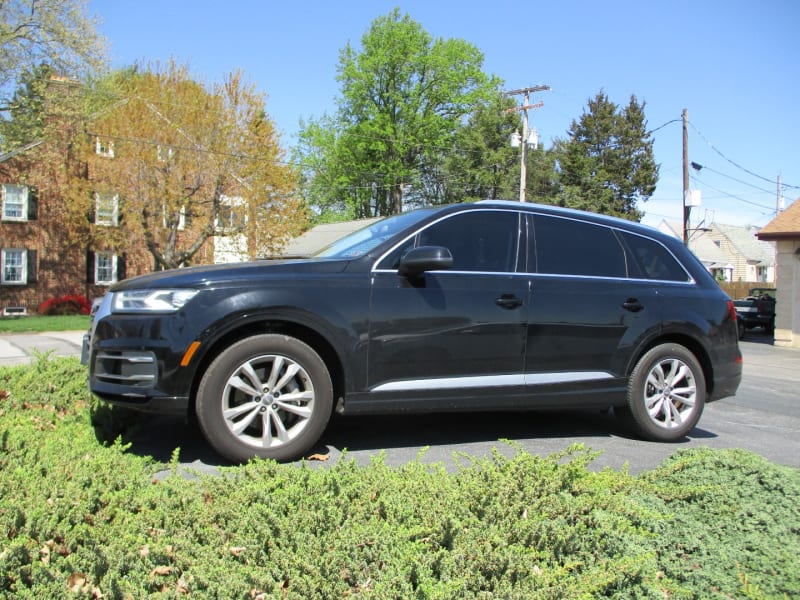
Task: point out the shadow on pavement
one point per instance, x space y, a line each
158 436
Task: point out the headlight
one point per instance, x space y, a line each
151 300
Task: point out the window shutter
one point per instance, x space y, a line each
89 267
90 214
33 203
122 260
120 214
32 264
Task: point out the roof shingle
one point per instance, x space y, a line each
785 225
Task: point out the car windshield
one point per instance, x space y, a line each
362 241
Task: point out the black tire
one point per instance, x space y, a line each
267 396
740 328
666 393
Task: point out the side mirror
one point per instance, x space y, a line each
425 258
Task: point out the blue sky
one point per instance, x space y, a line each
734 65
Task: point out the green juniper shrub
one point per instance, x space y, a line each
80 516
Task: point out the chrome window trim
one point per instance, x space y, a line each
375 268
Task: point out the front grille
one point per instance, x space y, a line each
129 368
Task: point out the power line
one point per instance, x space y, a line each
737 165
735 197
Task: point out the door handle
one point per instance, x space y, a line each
633 305
508 301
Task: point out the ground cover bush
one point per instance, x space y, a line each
82 517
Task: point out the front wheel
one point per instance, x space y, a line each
666 393
267 396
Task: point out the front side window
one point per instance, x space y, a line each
105 268
480 241
571 247
107 209
14 261
15 200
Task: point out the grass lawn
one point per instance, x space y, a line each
44 323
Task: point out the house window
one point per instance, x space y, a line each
107 209
15 202
232 214
164 153
105 268
181 218
14 265
102 148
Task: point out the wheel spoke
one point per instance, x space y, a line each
254 378
277 367
280 428
243 386
683 395
239 426
300 411
266 429
675 418
291 371
656 407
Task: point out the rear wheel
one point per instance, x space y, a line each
666 393
267 396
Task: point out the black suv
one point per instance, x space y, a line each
487 306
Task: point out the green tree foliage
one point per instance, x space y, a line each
404 95
26 109
482 163
59 33
606 165
186 162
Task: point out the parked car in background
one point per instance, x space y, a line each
493 306
756 310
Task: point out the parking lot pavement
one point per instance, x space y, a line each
23 348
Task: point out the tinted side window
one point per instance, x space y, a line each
568 247
478 240
653 260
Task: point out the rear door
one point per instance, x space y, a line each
586 314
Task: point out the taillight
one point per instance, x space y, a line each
731 310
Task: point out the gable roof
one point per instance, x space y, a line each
785 225
746 243
323 235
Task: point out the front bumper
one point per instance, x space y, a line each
133 363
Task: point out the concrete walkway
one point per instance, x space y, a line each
21 348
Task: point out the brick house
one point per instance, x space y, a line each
39 259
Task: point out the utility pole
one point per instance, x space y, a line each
523 175
686 207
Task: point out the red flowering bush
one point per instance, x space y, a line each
66 305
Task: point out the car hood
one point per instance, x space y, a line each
231 273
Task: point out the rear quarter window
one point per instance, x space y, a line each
652 260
